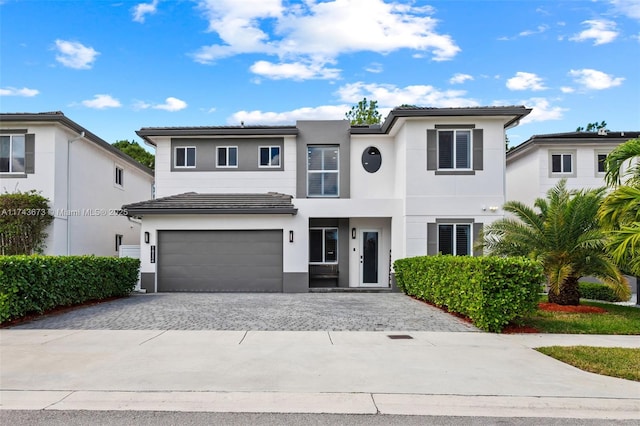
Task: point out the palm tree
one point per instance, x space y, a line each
620 211
564 235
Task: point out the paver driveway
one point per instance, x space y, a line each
248 311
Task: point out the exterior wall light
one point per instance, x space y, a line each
291 236
146 237
353 233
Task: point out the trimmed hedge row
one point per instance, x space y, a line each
491 291
31 284
597 291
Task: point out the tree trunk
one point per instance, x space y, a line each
569 293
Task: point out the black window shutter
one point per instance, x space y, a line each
432 149
478 147
432 239
29 153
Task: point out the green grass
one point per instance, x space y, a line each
623 363
617 320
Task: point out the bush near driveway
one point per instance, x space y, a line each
491 291
597 291
35 284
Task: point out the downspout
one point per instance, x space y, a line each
69 142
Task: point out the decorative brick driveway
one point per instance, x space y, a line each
245 311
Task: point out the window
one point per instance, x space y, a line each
227 156
185 156
118 241
269 156
454 239
454 149
322 171
371 159
600 159
119 176
12 154
323 245
561 163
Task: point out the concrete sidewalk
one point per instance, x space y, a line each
434 373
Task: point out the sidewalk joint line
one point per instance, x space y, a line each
374 403
59 401
243 337
329 334
151 338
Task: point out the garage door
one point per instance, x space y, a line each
220 261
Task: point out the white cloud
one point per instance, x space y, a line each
256 117
539 30
525 81
602 31
566 89
374 67
102 102
142 9
630 8
24 92
594 79
294 70
170 104
542 110
75 55
460 78
390 96
315 33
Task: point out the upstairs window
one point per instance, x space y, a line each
562 163
454 239
185 156
227 156
600 163
322 171
12 154
269 156
454 149
119 176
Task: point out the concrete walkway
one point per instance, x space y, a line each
433 373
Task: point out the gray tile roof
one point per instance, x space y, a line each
194 203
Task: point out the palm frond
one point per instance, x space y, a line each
617 158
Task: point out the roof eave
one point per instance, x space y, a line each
161 211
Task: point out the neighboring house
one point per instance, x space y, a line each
321 203
85 179
536 165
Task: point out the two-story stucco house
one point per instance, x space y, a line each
319 203
536 165
85 179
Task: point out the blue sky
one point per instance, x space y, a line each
116 66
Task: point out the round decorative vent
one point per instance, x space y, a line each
371 159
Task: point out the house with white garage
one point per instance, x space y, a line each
85 179
536 165
319 203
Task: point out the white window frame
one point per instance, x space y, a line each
562 172
118 182
226 156
598 153
11 157
269 166
454 245
324 230
186 156
337 172
455 150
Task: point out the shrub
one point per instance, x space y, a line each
24 216
35 284
491 291
597 291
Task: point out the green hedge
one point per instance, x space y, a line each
597 291
491 291
35 284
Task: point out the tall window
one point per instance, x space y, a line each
269 156
600 159
185 156
454 149
12 154
227 156
323 245
322 171
119 180
561 163
454 239
118 241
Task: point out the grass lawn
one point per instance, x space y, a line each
616 362
617 320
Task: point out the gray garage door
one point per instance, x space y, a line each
220 261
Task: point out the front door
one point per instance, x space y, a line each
369 257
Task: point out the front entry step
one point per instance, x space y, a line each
350 290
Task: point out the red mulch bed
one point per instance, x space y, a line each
580 309
55 311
